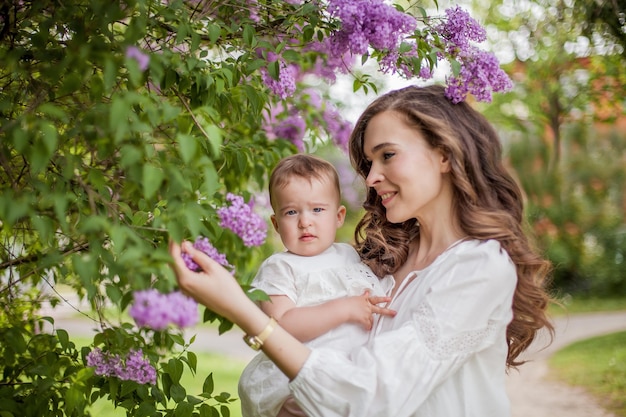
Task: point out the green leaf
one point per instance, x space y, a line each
87 269
20 139
194 400
166 380
273 68
110 74
63 337
187 146
177 392
74 399
208 411
118 117
211 180
114 293
140 218
214 32
215 138
45 227
152 180
456 67
208 386
53 111
60 209
291 55
192 359
15 340
145 409
118 235
177 339
183 409
308 33
175 369
248 35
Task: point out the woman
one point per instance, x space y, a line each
444 218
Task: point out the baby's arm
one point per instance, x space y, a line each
307 323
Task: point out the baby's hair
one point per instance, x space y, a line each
304 166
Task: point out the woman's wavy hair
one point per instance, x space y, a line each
487 201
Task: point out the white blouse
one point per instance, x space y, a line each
443 355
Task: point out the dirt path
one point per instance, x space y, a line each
532 393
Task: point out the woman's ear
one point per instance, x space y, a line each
444 161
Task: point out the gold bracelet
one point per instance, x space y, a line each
256 342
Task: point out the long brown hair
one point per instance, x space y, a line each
487 201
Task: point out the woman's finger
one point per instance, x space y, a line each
204 261
175 252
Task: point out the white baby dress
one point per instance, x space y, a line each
337 272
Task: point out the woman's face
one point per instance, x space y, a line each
406 172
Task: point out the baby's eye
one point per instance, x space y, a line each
318 210
290 213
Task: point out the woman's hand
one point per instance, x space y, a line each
216 288
213 286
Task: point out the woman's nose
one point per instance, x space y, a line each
373 177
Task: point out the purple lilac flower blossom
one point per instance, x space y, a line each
425 73
292 129
338 128
285 86
460 29
156 311
253 9
203 244
364 23
241 219
143 59
480 75
133 368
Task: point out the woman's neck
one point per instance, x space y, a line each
426 248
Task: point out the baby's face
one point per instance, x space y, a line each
307 215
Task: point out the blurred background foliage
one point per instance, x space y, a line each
564 130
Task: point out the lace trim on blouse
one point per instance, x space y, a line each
460 344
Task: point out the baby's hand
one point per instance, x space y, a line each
362 308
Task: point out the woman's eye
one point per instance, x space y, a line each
388 155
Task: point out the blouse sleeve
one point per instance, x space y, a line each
463 311
276 277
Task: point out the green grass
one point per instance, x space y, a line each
599 366
576 305
226 372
